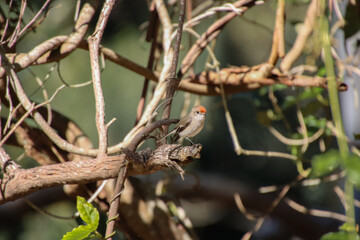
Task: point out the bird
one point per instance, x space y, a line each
190 125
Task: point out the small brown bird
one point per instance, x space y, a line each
190 125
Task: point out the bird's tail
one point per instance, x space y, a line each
165 136
175 138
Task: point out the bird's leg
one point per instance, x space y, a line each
189 140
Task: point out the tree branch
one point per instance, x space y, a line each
94 45
300 41
25 181
173 80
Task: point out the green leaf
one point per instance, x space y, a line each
88 213
341 235
279 87
321 72
309 93
78 233
263 91
312 121
325 163
288 102
347 227
352 167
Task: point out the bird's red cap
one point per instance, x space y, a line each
201 109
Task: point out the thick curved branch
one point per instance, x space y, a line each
39 55
80 29
25 181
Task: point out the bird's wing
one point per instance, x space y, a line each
181 126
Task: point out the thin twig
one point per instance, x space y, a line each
242 208
34 18
303 128
211 33
295 142
314 212
277 108
306 182
45 213
71 85
151 36
21 120
45 94
260 219
29 111
227 7
94 45
237 147
15 34
114 204
215 64
268 154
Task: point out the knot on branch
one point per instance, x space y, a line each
149 161
184 152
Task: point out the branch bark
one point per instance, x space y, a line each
25 181
94 45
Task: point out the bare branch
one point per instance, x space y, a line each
94 45
315 212
26 181
34 18
296 142
173 81
278 45
80 28
300 41
114 203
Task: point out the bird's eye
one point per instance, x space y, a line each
197 112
